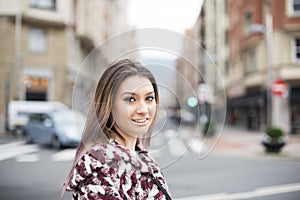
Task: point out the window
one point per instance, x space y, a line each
249 60
248 21
37 40
252 61
293 8
297 49
43 4
296 5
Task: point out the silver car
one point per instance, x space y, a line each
58 129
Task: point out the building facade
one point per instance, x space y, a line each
214 59
189 75
209 74
45 42
263 40
94 23
34 50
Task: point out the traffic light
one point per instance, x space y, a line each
192 102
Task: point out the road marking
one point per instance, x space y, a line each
198 146
64 155
216 196
177 147
279 189
170 133
28 158
13 151
11 144
259 192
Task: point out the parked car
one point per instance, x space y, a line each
58 129
18 111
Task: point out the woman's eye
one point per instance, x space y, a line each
129 99
150 98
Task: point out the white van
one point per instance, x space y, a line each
18 111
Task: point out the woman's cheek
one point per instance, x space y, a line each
153 109
129 109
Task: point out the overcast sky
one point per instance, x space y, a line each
176 15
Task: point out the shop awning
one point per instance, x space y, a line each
248 100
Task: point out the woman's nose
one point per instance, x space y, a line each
142 107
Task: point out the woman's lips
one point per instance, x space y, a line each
141 121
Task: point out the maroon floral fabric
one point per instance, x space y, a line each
110 171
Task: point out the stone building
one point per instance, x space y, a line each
95 23
208 75
34 50
44 43
253 44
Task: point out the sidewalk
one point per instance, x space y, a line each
244 143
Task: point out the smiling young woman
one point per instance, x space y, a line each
133 109
111 161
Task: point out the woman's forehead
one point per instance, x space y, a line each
136 84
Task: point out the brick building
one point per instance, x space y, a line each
258 57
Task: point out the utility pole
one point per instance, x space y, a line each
18 36
269 47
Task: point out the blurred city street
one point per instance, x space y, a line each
237 167
228 77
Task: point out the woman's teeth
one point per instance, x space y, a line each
140 120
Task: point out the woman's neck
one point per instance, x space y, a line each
129 143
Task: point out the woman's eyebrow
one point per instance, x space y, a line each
152 92
132 93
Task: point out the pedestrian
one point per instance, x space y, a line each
111 161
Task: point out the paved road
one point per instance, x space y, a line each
34 172
31 171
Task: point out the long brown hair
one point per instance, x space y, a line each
100 126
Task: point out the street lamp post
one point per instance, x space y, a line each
18 38
268 35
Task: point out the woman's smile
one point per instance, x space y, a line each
141 121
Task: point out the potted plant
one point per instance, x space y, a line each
274 139
209 128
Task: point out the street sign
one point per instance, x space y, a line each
279 87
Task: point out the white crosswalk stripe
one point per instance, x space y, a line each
12 150
64 155
177 144
28 158
23 152
177 147
168 142
11 144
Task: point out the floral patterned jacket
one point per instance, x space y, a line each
110 171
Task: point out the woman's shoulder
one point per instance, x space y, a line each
108 152
113 155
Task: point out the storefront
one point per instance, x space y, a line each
295 109
247 111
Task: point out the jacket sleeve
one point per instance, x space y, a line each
93 179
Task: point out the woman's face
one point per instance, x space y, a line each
134 106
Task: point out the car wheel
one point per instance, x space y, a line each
55 143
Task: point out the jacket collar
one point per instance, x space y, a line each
114 155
